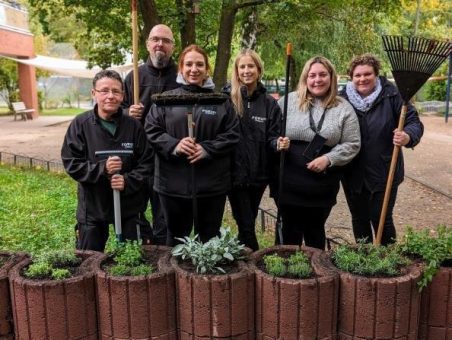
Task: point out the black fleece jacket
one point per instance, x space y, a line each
84 137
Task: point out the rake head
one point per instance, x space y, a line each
414 60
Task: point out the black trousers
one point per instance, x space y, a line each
178 214
159 228
365 208
94 236
304 223
245 205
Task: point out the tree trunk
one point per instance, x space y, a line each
227 20
250 29
187 27
149 13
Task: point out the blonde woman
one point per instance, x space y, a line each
322 135
259 119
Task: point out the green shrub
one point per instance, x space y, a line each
296 265
53 264
369 260
129 260
434 249
210 257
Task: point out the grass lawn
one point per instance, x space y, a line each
37 211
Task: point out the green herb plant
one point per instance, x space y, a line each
210 257
367 260
54 264
129 260
295 266
433 248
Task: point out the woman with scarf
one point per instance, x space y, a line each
259 122
322 135
209 151
377 103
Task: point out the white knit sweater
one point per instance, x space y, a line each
340 128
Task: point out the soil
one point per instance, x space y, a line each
417 205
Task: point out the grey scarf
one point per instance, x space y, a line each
359 103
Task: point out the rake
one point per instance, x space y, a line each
413 61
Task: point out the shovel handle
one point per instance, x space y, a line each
117 210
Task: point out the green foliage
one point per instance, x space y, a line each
296 265
210 257
436 90
434 249
53 264
129 260
9 87
37 210
369 260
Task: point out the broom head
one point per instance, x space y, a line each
169 99
414 60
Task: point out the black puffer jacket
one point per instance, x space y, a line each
151 81
216 130
371 166
83 138
259 129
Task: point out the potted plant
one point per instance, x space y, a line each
296 295
53 296
7 261
135 287
378 297
214 288
435 249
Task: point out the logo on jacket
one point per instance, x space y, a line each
258 119
127 146
210 112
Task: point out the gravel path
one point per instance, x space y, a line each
417 205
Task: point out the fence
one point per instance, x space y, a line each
432 106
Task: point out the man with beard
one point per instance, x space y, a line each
157 75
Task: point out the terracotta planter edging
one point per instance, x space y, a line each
436 307
296 308
137 307
6 316
215 306
55 309
379 308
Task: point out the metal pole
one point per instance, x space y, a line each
449 76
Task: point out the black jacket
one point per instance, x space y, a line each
371 166
216 129
260 127
151 81
84 137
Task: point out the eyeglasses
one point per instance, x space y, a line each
156 40
106 92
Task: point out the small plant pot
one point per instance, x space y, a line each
436 307
296 308
137 307
6 317
55 309
215 306
379 308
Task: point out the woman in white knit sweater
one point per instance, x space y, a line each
322 135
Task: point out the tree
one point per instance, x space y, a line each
9 88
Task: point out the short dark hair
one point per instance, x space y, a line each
365 59
107 74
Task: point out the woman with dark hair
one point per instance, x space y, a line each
322 135
259 123
377 103
209 151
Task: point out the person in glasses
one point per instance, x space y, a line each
322 135
103 128
157 75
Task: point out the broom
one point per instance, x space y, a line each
413 61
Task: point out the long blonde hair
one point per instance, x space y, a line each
236 95
306 99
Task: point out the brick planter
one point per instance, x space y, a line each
296 308
137 307
6 316
436 307
55 309
215 306
379 308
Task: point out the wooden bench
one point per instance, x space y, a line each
20 109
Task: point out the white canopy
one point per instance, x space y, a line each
69 67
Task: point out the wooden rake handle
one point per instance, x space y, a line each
392 168
136 91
